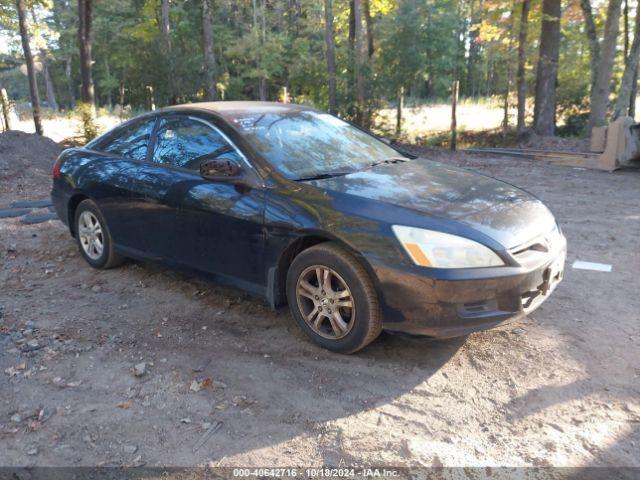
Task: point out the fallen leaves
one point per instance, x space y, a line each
198 385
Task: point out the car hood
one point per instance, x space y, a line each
506 213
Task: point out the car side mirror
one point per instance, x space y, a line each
220 169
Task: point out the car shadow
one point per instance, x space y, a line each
278 385
331 389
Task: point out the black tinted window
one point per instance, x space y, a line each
182 142
132 141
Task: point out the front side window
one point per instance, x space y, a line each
306 143
183 142
132 141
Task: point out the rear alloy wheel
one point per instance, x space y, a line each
333 299
94 239
90 235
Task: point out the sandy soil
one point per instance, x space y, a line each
228 382
60 128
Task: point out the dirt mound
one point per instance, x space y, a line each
20 151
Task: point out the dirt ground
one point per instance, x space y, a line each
226 381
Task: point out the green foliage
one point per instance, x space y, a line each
264 46
87 115
256 41
573 114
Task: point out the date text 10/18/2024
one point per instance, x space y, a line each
319 472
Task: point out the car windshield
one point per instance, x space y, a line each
308 144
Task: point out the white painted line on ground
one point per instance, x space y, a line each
598 267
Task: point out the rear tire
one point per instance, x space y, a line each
333 299
93 236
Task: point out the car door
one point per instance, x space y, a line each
157 189
113 180
218 224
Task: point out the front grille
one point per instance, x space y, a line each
537 249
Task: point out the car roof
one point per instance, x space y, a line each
235 109
228 110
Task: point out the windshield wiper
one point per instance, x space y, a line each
322 176
387 161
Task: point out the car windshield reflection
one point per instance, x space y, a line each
307 144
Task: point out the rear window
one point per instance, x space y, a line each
130 141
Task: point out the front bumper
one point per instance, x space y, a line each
453 303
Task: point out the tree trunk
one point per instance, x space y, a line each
544 116
293 14
50 88
149 98
48 82
121 98
489 74
369 23
359 62
298 8
634 94
108 94
522 59
505 103
592 36
208 49
634 88
165 24
255 14
473 48
70 86
331 54
454 116
264 86
259 30
630 71
31 72
262 89
6 109
625 12
399 108
165 34
46 74
87 92
85 16
508 79
352 26
600 90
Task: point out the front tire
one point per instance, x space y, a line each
333 299
93 237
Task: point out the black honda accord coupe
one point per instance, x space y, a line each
302 208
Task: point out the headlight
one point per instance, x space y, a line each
441 250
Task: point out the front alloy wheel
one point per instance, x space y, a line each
325 301
333 299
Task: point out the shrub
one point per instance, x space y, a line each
87 115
